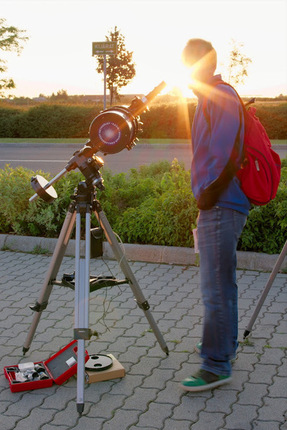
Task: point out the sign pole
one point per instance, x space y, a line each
105 81
104 48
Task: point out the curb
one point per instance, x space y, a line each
145 253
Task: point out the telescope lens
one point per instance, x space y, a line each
113 130
109 133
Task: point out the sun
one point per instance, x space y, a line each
178 83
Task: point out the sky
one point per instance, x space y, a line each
58 54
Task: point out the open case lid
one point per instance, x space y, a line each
62 365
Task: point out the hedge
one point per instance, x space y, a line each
150 205
46 121
169 120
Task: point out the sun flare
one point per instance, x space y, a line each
178 83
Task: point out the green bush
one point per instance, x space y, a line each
164 212
150 205
163 120
171 120
273 118
19 216
54 121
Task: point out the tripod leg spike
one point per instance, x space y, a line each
246 334
80 408
25 350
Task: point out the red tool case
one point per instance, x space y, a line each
59 367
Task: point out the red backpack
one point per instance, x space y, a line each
260 170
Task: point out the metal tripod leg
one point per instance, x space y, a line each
82 290
140 299
51 274
266 290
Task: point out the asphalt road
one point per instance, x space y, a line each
53 158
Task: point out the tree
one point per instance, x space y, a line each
61 95
11 39
238 64
120 69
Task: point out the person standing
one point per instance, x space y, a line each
217 143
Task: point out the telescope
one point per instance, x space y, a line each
113 130
110 132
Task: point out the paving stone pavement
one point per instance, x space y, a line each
149 396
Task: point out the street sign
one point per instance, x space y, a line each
104 48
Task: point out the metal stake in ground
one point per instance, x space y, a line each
270 281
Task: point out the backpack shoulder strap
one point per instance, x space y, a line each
214 84
212 193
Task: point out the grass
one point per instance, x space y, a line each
83 140
279 142
42 140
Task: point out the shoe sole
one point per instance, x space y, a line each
207 386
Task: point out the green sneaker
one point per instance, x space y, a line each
204 380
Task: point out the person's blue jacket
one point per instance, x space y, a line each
216 126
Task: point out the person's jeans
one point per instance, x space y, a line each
218 231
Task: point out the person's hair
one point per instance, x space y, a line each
197 49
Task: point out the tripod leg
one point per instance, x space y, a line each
140 299
266 290
82 289
51 274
